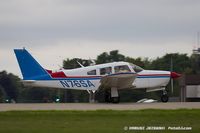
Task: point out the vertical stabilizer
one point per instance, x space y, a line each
30 68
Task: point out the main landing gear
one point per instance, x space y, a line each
111 95
164 97
91 96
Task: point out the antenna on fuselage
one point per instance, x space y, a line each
92 62
80 64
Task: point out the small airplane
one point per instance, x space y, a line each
110 76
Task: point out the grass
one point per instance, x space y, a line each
100 121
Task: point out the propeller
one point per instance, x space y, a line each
172 80
174 75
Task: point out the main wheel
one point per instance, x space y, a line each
164 98
107 97
115 99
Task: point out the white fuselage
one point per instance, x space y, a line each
88 78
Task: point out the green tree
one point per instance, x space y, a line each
195 63
37 95
181 62
144 63
2 94
110 57
73 63
10 84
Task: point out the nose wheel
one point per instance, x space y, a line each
164 97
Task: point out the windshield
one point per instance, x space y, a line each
136 68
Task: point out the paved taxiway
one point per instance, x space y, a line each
98 106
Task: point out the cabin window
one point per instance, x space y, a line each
106 70
136 68
123 68
93 72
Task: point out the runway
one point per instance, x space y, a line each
98 106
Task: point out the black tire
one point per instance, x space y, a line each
115 99
107 97
164 98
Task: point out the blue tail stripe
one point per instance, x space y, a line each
30 68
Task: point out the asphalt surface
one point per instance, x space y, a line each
98 106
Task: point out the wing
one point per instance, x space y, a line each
118 80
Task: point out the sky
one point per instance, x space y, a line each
53 30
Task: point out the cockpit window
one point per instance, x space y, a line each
106 70
93 72
136 68
123 68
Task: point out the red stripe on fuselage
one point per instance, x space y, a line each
60 74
